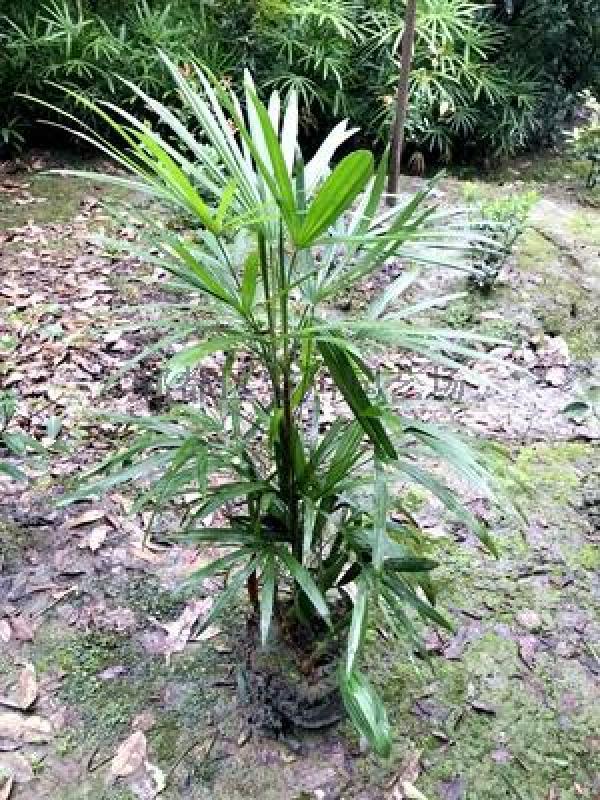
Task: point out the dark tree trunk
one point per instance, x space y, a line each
408 39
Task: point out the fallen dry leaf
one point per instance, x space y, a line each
455 648
130 756
17 766
408 774
433 642
23 628
144 721
530 620
149 782
146 554
179 631
6 785
31 730
483 708
36 730
93 515
5 631
26 690
243 738
158 776
210 633
95 538
411 769
527 646
501 755
411 792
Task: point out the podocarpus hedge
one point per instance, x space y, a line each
485 81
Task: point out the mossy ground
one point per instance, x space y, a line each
13 540
108 679
564 299
55 202
585 225
548 170
507 728
554 292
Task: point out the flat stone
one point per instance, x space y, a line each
17 766
530 620
556 376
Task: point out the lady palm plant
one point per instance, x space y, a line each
305 505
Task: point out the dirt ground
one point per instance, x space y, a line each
105 691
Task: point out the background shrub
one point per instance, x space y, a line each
487 80
585 140
501 221
559 40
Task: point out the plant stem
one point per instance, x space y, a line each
288 420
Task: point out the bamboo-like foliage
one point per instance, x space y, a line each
273 240
472 89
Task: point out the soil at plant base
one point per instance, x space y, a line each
289 689
116 696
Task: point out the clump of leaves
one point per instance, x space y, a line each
305 504
469 94
501 222
585 140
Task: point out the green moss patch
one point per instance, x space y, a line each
552 468
586 225
535 252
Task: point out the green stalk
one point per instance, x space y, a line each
288 421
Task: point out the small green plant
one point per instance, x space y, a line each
17 443
306 504
473 192
585 140
8 408
501 221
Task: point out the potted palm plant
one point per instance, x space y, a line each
273 239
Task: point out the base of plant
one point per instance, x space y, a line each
290 686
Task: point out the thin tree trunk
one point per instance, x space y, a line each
408 39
